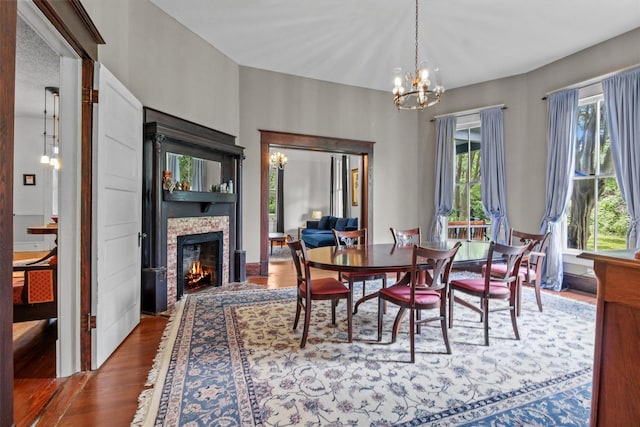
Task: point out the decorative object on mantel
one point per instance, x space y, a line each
424 90
167 182
186 185
278 160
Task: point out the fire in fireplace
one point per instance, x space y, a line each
199 261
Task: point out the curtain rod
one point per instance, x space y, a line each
468 112
590 82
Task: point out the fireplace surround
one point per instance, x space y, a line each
170 214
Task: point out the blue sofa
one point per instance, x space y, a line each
318 233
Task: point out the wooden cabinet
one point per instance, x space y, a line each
616 369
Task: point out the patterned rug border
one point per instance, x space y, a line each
150 399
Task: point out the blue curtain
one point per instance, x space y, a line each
199 175
445 176
622 101
561 142
492 172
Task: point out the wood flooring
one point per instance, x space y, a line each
108 396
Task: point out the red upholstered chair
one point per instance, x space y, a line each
350 239
318 289
433 266
490 287
531 266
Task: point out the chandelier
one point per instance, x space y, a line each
278 160
55 141
418 91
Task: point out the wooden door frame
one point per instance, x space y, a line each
73 23
325 144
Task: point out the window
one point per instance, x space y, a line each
596 216
467 219
273 195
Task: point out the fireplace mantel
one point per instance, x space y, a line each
165 133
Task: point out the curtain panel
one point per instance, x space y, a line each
445 176
622 102
493 172
561 140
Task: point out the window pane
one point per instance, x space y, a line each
585 162
613 220
460 210
462 168
581 214
606 157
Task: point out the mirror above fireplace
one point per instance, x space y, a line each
202 174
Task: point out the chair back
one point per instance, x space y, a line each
511 256
407 237
430 268
299 255
350 238
538 243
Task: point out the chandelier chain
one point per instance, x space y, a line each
416 59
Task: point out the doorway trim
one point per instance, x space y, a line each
273 139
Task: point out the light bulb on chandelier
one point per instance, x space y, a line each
420 90
278 160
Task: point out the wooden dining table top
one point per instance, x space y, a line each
43 229
387 257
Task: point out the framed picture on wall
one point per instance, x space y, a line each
28 179
355 187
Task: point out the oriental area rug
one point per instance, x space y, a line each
232 359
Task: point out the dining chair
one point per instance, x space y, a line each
411 236
488 287
434 265
531 265
346 239
310 290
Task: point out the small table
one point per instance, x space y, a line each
45 229
277 237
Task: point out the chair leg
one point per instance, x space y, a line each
512 311
333 311
307 320
298 308
518 296
485 306
412 335
350 317
396 323
380 305
538 296
451 308
443 326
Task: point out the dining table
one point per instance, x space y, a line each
390 258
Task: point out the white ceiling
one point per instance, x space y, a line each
360 42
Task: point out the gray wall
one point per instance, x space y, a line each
525 119
170 69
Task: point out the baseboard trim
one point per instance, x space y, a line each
581 283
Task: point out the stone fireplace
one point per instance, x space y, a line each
169 215
178 228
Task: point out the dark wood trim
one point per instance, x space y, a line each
72 21
312 143
8 18
86 172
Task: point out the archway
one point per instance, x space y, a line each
270 139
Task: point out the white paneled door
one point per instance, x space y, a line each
117 214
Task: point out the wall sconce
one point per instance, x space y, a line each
316 214
278 160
